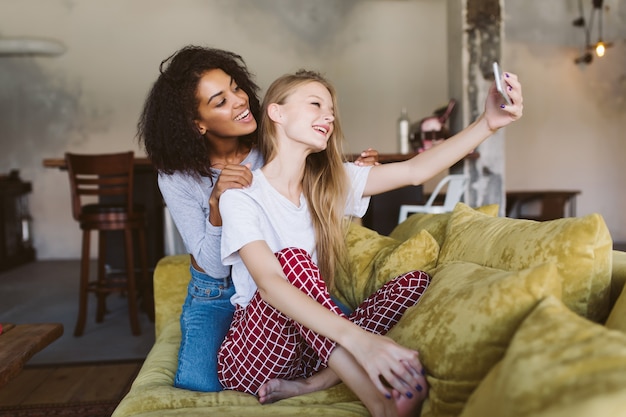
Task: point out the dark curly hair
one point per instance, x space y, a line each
166 126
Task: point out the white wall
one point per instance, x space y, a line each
381 55
573 133
89 99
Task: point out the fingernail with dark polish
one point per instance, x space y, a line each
423 371
510 88
419 388
501 106
409 394
388 396
506 74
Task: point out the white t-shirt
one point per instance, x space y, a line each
260 212
187 198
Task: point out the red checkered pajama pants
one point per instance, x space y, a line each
262 343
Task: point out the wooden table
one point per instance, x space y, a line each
18 343
553 203
144 163
381 216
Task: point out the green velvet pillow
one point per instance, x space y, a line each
374 259
435 224
558 364
581 247
464 322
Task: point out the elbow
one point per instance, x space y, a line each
268 297
265 296
270 292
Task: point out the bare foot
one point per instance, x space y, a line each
279 389
409 407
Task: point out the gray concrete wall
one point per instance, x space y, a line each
381 55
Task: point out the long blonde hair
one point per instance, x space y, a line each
325 183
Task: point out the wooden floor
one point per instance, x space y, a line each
59 384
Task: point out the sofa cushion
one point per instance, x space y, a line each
374 259
464 321
580 247
558 364
435 224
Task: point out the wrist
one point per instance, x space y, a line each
483 123
215 217
351 338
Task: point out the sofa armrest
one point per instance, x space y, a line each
171 277
618 275
617 316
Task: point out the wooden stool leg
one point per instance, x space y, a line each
130 283
83 286
101 285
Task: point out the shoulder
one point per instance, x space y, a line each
177 181
180 187
356 171
234 196
176 177
254 158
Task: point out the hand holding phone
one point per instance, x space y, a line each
500 84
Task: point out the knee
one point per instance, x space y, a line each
293 256
418 280
298 266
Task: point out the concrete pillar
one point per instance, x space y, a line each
475 32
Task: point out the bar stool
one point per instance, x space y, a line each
102 200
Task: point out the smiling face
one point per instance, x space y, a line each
223 108
309 115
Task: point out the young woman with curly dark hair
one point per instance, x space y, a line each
199 127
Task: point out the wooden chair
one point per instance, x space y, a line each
102 200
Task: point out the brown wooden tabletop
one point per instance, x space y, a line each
553 203
140 161
60 163
18 343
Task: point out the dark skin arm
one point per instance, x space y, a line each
368 157
232 176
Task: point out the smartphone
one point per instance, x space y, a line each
500 84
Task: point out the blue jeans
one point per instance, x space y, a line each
204 322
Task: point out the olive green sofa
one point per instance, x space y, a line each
522 318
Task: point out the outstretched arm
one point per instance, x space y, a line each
427 164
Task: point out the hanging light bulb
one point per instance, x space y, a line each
600 48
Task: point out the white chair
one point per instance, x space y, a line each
456 188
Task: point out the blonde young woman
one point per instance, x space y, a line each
199 128
283 235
